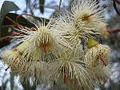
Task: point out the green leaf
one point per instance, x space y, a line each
41 5
27 3
21 20
60 4
7 7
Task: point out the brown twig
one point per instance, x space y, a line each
9 26
4 38
15 23
10 35
113 31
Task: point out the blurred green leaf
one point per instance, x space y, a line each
60 4
7 7
18 19
27 3
41 5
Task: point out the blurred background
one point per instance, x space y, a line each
45 9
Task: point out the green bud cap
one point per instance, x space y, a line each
91 43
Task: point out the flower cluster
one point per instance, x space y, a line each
65 50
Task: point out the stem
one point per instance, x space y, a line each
60 2
8 26
3 38
65 76
17 24
10 35
6 68
103 61
113 31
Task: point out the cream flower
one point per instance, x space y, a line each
96 55
12 58
88 14
39 45
68 68
96 59
64 50
45 42
69 33
85 20
35 70
25 67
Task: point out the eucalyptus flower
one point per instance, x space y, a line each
96 59
69 33
96 55
11 57
85 20
45 42
36 71
89 15
36 46
64 51
69 69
